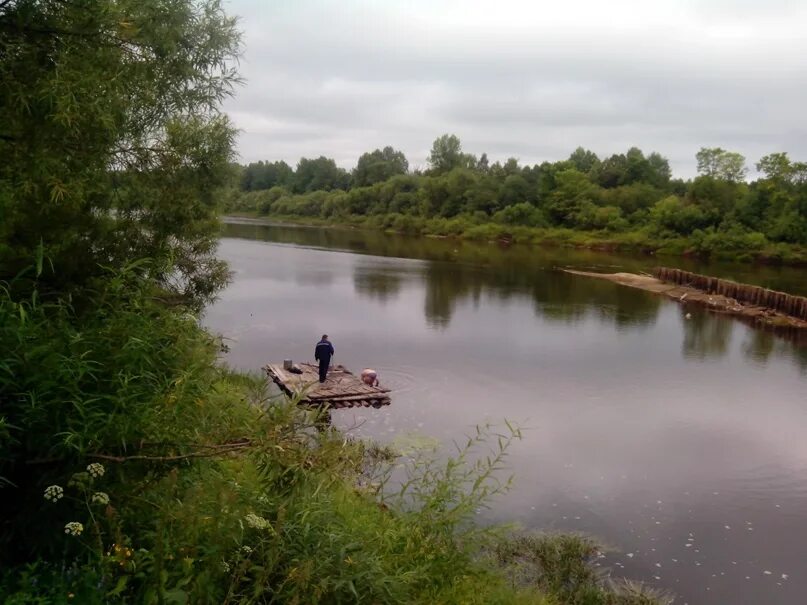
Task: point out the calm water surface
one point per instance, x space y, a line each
680 443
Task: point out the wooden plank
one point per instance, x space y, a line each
358 397
355 386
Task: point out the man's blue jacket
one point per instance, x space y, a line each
323 351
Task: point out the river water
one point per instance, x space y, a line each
680 443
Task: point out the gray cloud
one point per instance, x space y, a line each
521 79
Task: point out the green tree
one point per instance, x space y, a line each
516 189
446 155
612 172
573 193
265 175
483 165
775 166
378 166
675 215
584 160
721 164
112 142
660 172
319 174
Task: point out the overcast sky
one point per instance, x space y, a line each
531 80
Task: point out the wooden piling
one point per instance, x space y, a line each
794 306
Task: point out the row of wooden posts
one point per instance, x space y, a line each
795 306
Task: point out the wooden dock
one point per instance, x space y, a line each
342 389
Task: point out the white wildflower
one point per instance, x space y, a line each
225 567
96 470
74 528
54 493
100 498
246 550
256 521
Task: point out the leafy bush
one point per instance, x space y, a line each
521 214
674 215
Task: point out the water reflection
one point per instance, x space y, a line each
453 273
380 283
762 345
705 335
505 258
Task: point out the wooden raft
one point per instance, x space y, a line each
342 389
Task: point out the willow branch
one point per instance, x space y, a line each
217 451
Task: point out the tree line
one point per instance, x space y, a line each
631 192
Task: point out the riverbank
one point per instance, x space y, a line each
734 247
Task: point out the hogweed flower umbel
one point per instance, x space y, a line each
74 528
96 470
54 493
256 521
100 498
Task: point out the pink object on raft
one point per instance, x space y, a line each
369 376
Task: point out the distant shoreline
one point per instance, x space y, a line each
631 242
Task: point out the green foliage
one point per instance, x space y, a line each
100 381
379 166
573 192
113 147
319 174
629 194
675 215
561 566
584 160
446 155
521 214
266 175
721 164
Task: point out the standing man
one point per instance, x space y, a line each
323 353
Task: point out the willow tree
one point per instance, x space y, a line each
112 142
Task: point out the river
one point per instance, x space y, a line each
680 443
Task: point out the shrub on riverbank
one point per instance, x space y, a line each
734 244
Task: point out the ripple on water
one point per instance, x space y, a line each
773 483
398 380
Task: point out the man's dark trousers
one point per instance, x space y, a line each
324 362
323 353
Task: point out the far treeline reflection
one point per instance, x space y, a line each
459 271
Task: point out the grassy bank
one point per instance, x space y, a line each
145 472
737 247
